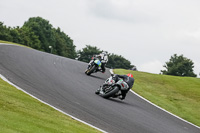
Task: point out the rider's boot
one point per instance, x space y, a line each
121 97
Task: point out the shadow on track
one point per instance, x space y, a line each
96 77
122 102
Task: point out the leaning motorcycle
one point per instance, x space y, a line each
112 89
93 66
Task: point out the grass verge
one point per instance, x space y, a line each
13 43
178 95
20 112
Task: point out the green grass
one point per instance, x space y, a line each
178 95
1 41
21 113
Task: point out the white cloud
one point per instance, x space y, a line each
154 66
121 10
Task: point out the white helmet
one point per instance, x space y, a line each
104 52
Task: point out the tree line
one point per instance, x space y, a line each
39 34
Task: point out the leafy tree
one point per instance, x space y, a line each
5 33
117 61
41 28
64 45
39 34
28 38
48 36
179 66
14 32
86 53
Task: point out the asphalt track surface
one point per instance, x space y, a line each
62 83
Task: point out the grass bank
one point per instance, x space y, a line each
178 95
21 113
13 43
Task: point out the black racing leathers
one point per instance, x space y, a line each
127 79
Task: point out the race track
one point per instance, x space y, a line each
62 83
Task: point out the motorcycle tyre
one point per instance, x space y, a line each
111 93
88 72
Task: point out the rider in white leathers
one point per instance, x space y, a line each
104 59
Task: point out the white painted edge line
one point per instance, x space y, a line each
111 71
2 77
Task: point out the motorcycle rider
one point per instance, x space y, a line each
103 57
127 78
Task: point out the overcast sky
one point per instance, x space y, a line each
146 32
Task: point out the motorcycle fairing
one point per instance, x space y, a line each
98 62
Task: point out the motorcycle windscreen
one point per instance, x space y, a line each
98 62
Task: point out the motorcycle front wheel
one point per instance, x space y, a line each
111 92
91 70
